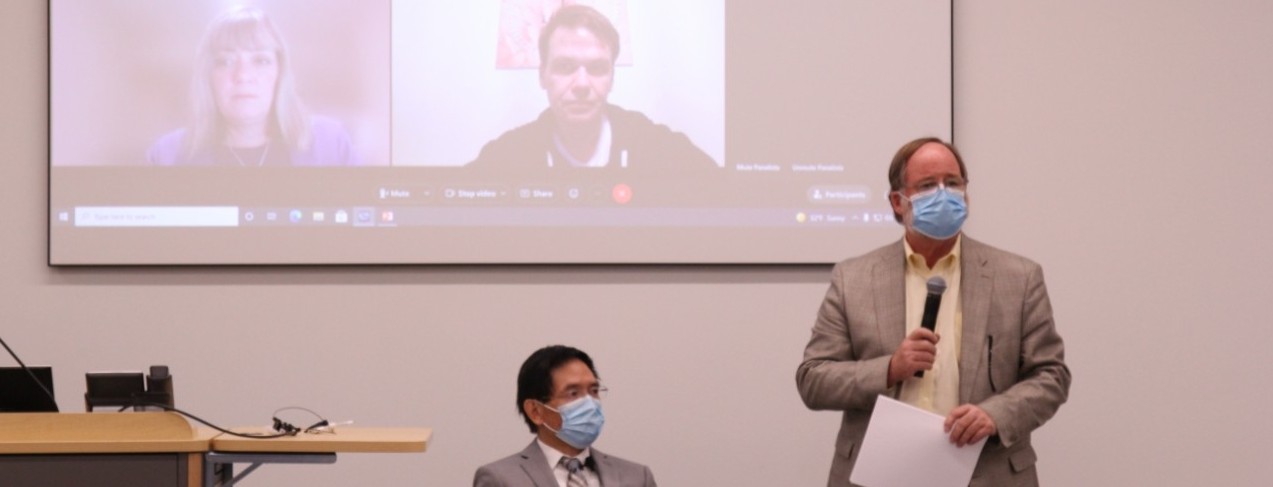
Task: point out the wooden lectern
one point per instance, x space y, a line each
151 449
101 450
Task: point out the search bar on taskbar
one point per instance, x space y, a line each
157 216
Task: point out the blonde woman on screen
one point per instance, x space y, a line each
245 105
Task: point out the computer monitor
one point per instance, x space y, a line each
20 394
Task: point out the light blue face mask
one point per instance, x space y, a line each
581 422
938 214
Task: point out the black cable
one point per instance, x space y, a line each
260 436
285 427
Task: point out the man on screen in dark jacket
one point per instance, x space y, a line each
581 129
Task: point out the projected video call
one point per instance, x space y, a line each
271 120
288 84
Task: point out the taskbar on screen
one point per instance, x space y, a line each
485 216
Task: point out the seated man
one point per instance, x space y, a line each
557 396
580 129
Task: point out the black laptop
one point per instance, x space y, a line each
20 394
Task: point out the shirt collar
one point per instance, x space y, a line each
554 456
917 262
600 158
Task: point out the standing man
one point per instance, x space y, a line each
994 367
580 128
558 395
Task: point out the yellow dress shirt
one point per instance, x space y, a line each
938 390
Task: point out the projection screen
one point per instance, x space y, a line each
431 131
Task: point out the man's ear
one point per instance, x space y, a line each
895 200
532 410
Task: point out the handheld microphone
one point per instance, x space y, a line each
936 286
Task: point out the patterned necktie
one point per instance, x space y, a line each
575 468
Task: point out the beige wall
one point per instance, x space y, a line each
1120 144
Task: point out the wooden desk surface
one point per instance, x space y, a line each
151 432
345 439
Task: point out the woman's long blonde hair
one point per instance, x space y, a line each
245 28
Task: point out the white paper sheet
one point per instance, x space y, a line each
906 447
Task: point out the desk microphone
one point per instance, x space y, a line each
936 286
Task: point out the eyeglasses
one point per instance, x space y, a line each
573 393
931 184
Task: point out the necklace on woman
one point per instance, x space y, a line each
259 162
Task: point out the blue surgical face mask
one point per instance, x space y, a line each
938 214
581 422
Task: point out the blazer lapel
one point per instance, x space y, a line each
975 289
535 464
606 471
890 297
